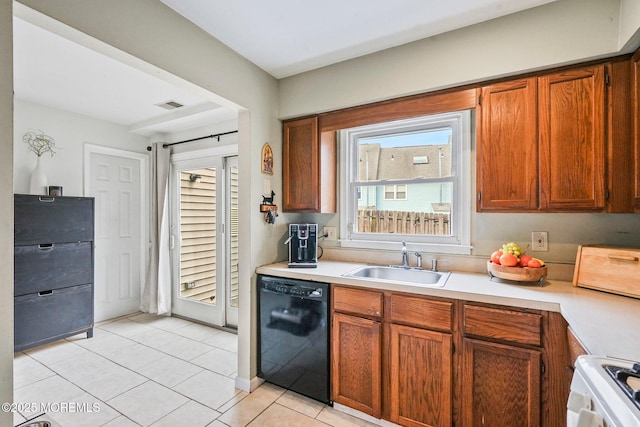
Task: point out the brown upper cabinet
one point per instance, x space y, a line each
507 148
636 128
309 167
620 142
572 139
546 143
563 141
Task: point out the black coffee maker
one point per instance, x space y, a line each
303 245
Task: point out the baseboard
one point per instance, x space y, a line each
247 385
361 415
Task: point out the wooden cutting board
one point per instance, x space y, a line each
608 268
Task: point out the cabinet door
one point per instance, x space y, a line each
620 143
309 167
500 385
44 219
300 169
636 127
572 139
47 316
40 268
507 146
421 378
356 363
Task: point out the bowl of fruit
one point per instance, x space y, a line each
512 263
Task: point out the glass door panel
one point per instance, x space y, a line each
198 235
198 261
232 240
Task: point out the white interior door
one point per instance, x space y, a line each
114 179
197 235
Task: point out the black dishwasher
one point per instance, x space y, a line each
293 338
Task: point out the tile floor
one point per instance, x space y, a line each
145 370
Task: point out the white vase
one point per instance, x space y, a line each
38 179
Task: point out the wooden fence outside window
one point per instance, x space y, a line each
403 222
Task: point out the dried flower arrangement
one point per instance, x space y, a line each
39 143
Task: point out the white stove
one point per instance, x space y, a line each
605 392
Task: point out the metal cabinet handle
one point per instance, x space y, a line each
47 199
45 246
45 293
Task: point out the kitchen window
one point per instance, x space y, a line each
407 180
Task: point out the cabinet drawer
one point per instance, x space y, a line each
45 317
421 312
358 301
43 219
504 325
44 267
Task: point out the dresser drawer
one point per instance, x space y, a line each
357 301
503 325
43 219
59 265
422 312
45 317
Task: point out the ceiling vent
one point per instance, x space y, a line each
170 105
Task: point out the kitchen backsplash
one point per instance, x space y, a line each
459 263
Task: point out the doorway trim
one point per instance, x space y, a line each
143 161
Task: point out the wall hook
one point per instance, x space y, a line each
269 208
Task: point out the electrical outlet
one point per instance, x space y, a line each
540 241
330 232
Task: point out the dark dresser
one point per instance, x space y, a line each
53 268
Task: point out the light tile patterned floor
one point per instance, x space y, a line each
145 370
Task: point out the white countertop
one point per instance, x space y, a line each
603 322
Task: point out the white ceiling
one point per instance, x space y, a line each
53 71
283 37
286 37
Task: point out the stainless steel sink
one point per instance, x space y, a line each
411 276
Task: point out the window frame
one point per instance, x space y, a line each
460 241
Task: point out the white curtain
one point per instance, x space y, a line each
156 296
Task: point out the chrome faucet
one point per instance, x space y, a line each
434 265
418 260
405 257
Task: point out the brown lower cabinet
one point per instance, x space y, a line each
420 374
501 385
356 349
501 366
427 361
